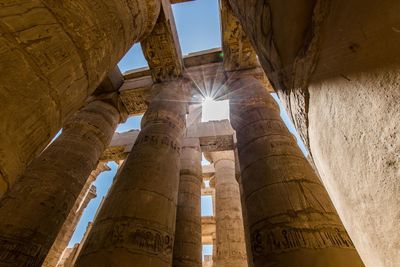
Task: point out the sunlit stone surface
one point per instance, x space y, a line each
335 67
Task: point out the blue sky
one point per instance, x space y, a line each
198 28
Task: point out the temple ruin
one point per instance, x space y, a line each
334 66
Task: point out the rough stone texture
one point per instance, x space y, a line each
120 146
230 242
187 245
134 94
162 49
137 222
290 217
87 193
238 52
335 65
52 182
213 135
357 152
53 56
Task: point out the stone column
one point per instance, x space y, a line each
137 222
214 249
335 67
53 56
34 210
188 245
290 217
230 242
88 193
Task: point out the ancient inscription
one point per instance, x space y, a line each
137 237
157 140
279 239
12 251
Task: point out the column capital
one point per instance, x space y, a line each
113 99
221 155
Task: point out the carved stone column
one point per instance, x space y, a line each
188 246
335 67
137 222
34 210
230 242
214 249
88 192
53 56
290 217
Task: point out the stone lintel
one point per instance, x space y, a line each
162 49
238 52
213 135
120 146
180 1
204 57
134 93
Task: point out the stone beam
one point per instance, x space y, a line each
120 146
213 135
180 1
238 52
134 93
205 69
162 49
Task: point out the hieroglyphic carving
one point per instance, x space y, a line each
135 100
280 239
13 250
133 236
216 143
238 52
161 48
137 237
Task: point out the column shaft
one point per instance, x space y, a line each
136 224
291 219
34 210
335 67
53 56
230 239
87 193
187 245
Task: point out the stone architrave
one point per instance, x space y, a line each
137 222
54 54
290 217
188 245
34 210
230 239
88 193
